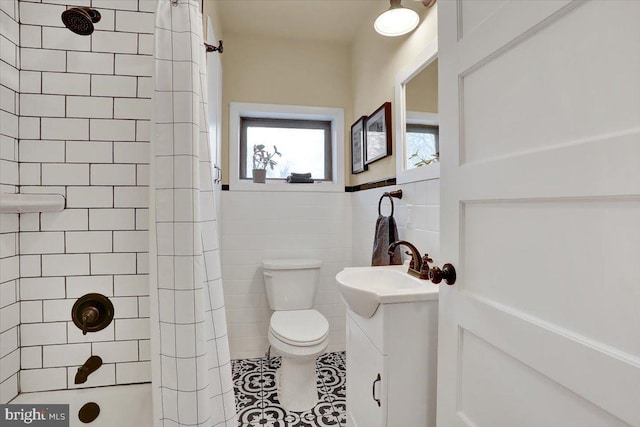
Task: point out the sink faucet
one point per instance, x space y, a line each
91 365
419 266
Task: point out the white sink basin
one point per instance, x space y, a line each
365 288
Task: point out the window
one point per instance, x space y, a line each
305 146
422 146
311 139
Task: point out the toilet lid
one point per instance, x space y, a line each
299 327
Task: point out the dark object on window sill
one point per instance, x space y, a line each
300 178
300 175
294 180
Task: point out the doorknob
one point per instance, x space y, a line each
448 273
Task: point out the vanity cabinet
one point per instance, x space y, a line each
365 388
391 365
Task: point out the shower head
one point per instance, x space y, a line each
80 20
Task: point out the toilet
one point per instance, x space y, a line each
297 332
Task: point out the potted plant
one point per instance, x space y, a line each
422 161
261 160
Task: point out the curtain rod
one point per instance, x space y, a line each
208 47
212 48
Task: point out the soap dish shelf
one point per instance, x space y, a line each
29 203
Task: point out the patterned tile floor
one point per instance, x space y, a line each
257 399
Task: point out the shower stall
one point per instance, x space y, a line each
110 286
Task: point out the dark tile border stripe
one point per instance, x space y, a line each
369 185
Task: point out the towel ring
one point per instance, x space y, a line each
396 193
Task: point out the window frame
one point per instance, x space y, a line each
271 122
294 112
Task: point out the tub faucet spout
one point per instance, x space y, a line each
91 365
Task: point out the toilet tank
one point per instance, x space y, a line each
291 284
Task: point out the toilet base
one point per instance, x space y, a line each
296 377
296 382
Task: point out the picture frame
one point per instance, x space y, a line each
378 134
358 142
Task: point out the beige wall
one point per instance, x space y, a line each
358 78
211 10
375 61
283 71
421 92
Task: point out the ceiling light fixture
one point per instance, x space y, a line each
398 20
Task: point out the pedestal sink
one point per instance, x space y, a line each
365 288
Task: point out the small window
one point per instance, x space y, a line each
422 146
304 146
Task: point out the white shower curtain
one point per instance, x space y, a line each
192 382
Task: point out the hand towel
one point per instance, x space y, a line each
386 233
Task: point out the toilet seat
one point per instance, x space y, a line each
301 328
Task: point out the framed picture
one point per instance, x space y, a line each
378 134
358 142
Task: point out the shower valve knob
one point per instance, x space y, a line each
447 273
92 312
89 316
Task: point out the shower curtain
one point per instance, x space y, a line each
192 384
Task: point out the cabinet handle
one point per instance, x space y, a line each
373 389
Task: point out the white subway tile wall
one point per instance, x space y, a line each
336 228
263 225
10 353
75 121
417 216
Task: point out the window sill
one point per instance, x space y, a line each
317 187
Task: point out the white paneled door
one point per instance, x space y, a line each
540 140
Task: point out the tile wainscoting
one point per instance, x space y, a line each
336 228
266 225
